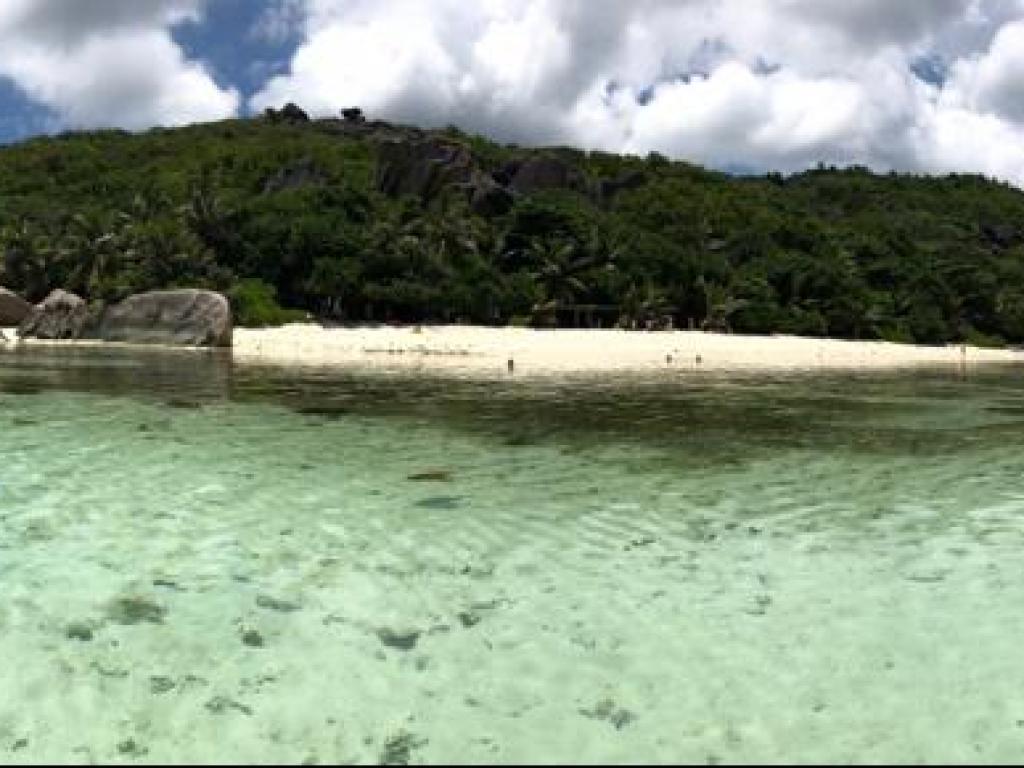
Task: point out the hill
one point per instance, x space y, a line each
365 221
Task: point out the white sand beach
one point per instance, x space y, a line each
483 350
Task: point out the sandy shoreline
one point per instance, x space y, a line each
489 350
486 350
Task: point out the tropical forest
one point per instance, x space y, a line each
352 221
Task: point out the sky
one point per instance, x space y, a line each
931 86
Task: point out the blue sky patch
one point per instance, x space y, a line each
20 117
227 41
931 69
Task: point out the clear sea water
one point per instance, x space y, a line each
208 563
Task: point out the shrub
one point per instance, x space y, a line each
977 338
254 304
897 334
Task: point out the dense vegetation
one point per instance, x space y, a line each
295 212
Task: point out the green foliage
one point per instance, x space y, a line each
976 338
254 305
289 213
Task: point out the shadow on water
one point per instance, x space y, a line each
183 378
694 418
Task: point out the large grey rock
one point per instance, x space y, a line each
353 115
183 318
61 315
13 308
427 167
487 197
608 188
422 168
297 175
542 172
290 113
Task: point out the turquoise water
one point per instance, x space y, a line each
207 563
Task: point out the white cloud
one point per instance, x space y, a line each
59 21
109 62
958 140
280 21
994 81
386 60
768 83
871 23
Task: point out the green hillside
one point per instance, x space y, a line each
363 221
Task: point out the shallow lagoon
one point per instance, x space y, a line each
205 563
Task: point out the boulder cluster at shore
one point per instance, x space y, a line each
187 317
13 309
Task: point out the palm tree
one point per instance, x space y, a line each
558 273
91 250
205 213
721 306
28 257
645 303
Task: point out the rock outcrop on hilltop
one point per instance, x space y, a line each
427 163
425 167
188 317
290 113
543 172
13 309
421 168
